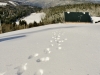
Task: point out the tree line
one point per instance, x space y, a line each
56 14
9 14
22 25
53 15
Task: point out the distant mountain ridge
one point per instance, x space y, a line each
51 3
9 2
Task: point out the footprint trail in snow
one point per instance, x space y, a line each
39 72
55 43
21 69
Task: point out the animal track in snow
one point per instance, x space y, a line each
47 59
21 69
59 41
30 57
39 72
40 60
43 59
52 45
58 38
47 51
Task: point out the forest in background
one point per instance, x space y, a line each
9 15
56 14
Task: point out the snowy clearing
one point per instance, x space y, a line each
33 17
34 51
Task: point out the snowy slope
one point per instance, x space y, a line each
3 4
59 49
33 17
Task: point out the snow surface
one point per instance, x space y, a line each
33 17
29 51
3 4
95 19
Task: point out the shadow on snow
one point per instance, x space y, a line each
21 35
11 38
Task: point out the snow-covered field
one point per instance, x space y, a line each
59 49
95 19
33 17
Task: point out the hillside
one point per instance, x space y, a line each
9 14
33 17
56 14
56 49
52 3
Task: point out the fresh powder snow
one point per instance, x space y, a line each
31 52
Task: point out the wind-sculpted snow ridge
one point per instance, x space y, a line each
52 50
